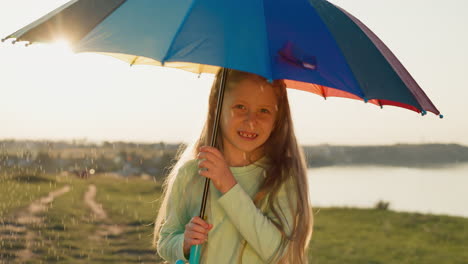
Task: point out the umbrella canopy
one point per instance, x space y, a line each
312 45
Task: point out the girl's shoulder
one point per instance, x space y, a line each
187 171
191 164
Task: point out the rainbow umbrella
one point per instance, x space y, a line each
312 45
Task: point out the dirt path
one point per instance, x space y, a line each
96 208
20 228
105 227
112 238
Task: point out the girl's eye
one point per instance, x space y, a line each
239 106
264 110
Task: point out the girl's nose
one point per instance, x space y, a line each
251 116
251 119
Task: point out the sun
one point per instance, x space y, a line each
59 46
63 45
57 52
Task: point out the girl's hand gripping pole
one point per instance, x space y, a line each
196 249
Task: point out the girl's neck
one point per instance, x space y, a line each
238 158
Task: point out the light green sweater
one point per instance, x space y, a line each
234 216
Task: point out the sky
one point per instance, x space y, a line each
47 92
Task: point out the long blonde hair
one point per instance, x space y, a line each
287 163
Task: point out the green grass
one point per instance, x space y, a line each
68 226
73 235
344 235
19 190
69 233
131 204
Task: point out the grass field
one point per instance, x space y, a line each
67 231
377 236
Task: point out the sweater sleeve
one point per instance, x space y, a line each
171 235
257 228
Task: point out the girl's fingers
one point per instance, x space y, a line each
204 173
195 241
208 173
212 150
208 156
197 228
196 231
205 169
196 235
199 221
206 164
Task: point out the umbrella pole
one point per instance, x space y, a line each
214 135
195 250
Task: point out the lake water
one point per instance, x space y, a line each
434 190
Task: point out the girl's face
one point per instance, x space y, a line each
247 120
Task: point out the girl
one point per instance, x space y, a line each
258 206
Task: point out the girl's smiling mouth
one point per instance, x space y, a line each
247 135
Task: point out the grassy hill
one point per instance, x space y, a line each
68 232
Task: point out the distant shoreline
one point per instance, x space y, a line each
433 155
415 166
401 155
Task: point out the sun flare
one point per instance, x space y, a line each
59 46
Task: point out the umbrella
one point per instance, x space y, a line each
312 45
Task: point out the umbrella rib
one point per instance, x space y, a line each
323 92
134 60
19 33
380 103
53 24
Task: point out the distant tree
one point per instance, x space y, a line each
45 161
